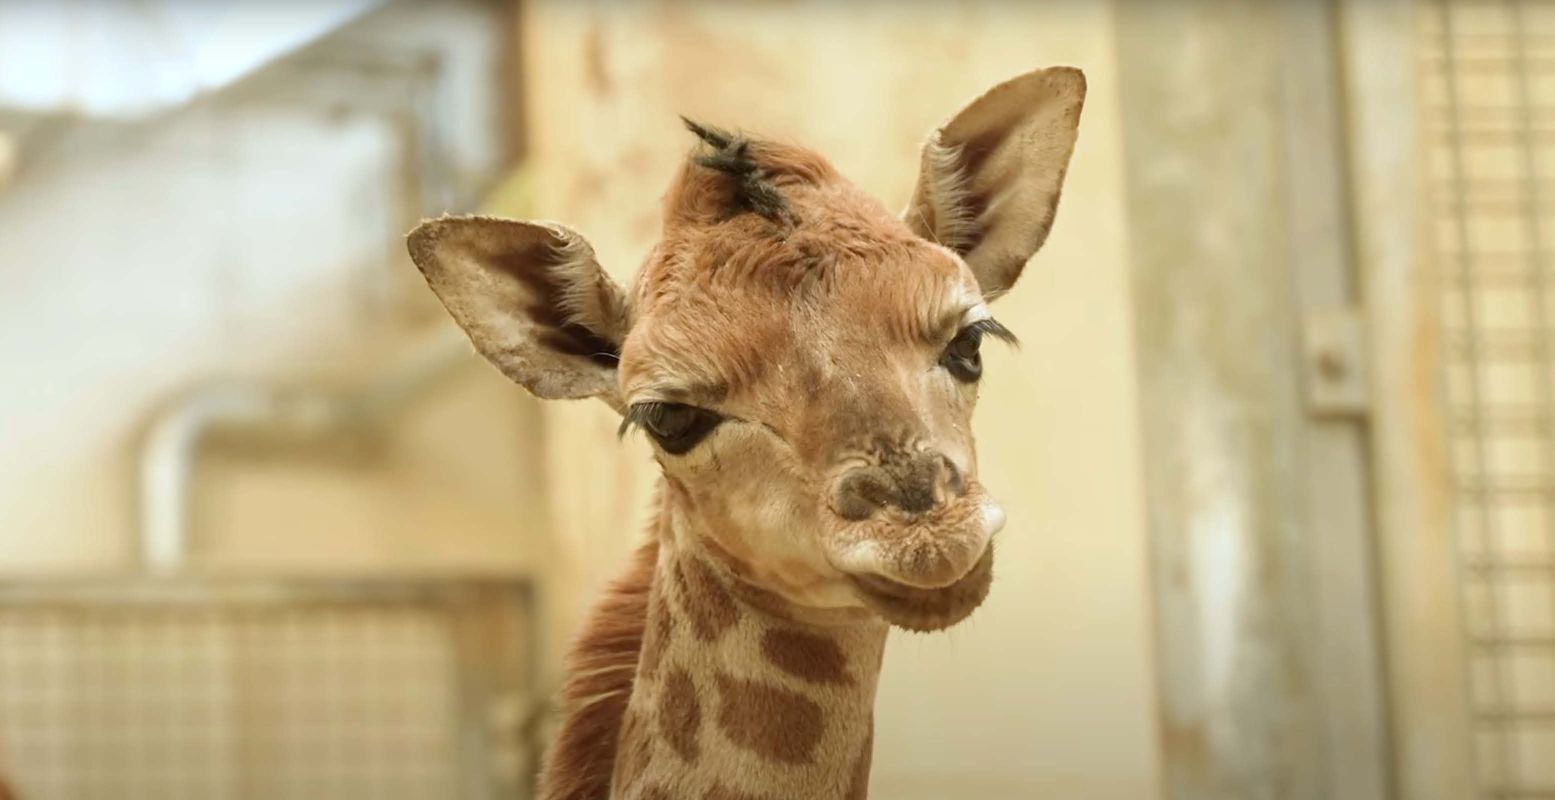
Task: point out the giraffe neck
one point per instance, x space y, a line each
740 697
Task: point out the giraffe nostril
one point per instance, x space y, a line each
915 485
862 492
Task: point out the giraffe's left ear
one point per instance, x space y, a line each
989 183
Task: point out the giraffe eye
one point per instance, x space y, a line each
676 427
963 356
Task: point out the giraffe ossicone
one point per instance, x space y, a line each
805 364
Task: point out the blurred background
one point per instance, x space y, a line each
1278 451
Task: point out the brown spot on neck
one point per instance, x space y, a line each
772 722
807 656
703 598
680 715
661 629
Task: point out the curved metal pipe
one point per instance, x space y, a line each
302 414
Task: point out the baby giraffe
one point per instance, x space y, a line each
805 364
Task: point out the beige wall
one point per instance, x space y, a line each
255 236
1047 691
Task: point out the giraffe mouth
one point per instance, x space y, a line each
926 610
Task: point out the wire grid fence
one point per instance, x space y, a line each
1488 92
338 699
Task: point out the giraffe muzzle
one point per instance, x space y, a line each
921 547
925 610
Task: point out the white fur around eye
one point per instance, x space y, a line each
976 313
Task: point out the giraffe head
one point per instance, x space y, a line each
804 362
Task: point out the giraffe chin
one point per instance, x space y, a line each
927 610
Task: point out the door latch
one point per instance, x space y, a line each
1337 375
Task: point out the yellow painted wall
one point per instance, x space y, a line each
1048 690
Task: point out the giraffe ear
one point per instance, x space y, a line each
531 297
990 178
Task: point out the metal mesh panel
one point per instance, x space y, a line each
274 696
1489 99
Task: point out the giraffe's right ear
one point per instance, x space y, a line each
532 298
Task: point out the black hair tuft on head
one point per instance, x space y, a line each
731 156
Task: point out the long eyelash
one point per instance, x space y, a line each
638 415
992 327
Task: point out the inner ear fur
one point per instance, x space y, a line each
532 298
